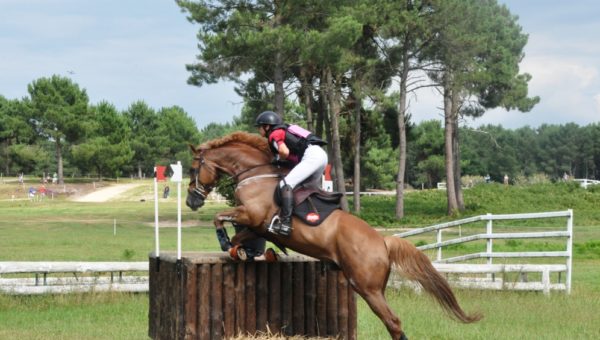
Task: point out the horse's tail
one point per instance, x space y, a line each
414 265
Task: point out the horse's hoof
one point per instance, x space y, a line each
270 255
403 337
238 253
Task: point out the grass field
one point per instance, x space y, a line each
63 230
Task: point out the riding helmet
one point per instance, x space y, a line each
268 118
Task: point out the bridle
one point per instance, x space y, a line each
200 190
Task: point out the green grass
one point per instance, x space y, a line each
74 316
63 230
507 315
428 207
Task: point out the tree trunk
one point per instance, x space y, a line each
402 136
449 156
322 105
278 70
334 112
325 112
456 154
306 93
357 133
278 84
59 161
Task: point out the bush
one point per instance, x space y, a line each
471 181
538 178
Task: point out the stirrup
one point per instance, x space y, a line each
285 229
275 225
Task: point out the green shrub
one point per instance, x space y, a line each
128 254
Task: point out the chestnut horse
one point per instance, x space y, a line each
364 255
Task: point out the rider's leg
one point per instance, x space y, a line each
285 215
313 163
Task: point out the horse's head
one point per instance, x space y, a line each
235 155
203 176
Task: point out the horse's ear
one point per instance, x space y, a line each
193 148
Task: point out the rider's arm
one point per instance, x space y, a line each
278 137
283 150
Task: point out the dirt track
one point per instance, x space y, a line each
106 194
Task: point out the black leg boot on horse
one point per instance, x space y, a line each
282 224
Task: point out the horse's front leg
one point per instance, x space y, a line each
237 215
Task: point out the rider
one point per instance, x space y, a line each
299 147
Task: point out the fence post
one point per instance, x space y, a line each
489 231
489 248
439 248
546 281
569 250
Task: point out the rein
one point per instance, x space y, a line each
236 176
202 190
253 178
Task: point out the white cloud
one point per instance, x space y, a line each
597 99
551 73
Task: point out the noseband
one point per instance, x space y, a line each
200 190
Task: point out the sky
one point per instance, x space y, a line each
129 50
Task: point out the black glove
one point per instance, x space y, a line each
276 160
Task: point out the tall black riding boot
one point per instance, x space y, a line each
287 206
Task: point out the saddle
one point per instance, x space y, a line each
313 205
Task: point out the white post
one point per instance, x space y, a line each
489 231
546 281
489 248
156 246
178 219
439 240
569 250
177 177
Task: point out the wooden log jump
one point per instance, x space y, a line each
209 296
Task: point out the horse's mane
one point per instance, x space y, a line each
252 140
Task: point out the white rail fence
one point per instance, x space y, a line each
71 277
468 275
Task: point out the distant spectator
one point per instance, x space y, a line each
487 178
505 179
21 178
565 177
31 193
42 191
54 178
166 191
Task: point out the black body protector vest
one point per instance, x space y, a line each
297 139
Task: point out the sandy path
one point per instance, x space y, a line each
106 194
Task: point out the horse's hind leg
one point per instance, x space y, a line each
376 301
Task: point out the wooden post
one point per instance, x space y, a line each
203 318
310 299
300 294
321 277
251 292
